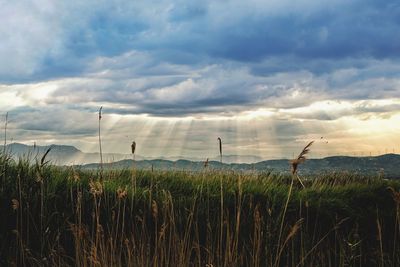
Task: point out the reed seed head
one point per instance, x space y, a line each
395 195
96 188
101 108
121 193
294 229
300 158
76 177
154 209
257 215
14 204
133 147
206 163
220 146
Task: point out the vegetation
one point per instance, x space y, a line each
55 216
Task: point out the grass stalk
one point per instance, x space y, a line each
101 152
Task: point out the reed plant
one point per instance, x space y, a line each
64 216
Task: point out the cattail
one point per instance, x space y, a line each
133 147
101 108
101 152
206 163
220 147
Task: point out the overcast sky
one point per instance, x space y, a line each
265 76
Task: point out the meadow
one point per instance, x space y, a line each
61 216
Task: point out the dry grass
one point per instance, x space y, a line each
101 152
300 159
61 217
220 148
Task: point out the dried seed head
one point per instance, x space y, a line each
206 163
257 215
39 177
93 256
154 209
162 230
101 108
99 229
121 193
76 177
133 147
96 188
395 195
14 204
294 229
220 145
300 158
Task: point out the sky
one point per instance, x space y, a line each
265 76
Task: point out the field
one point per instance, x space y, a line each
58 216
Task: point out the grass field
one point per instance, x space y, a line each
53 216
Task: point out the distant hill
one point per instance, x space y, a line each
387 165
70 155
59 154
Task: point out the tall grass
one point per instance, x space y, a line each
100 149
70 217
4 156
220 148
294 165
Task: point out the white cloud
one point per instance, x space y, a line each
271 72
30 31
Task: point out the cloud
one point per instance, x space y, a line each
44 40
58 121
334 110
182 92
170 68
136 83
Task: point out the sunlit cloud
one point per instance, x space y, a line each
266 77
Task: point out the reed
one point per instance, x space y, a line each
101 152
294 167
220 148
69 217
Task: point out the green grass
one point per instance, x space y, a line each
174 219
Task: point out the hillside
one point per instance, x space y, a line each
59 154
70 155
385 165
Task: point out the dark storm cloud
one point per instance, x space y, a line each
192 33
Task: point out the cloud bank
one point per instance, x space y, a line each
329 65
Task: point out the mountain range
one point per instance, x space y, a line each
387 165
70 155
59 154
